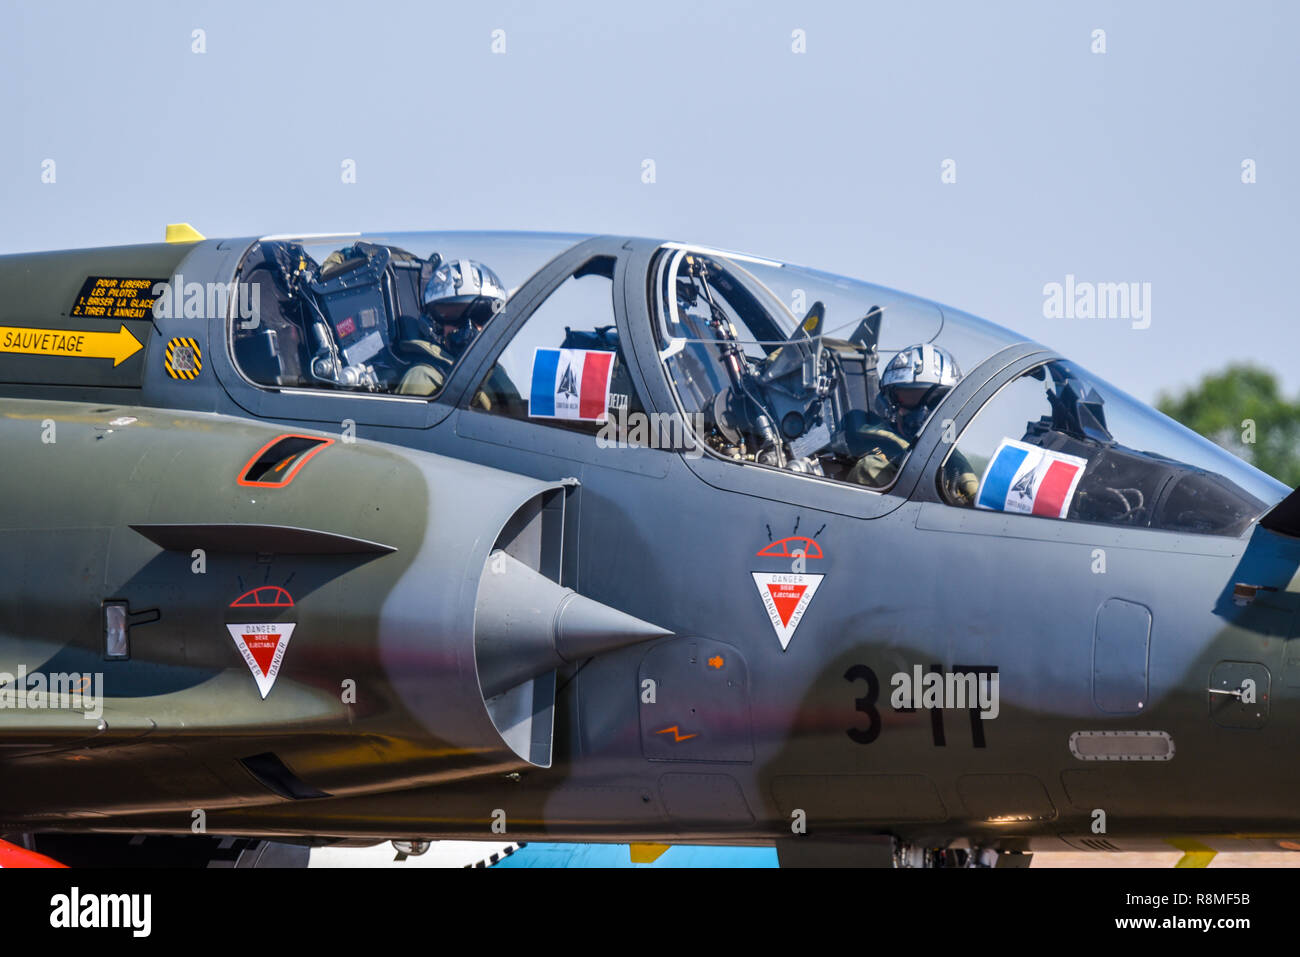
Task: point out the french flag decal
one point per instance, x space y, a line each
1030 480
570 384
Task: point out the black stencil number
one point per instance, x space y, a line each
866 704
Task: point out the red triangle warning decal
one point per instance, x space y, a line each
786 598
262 648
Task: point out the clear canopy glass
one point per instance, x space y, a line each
355 312
780 365
1058 442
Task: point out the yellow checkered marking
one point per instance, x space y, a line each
184 359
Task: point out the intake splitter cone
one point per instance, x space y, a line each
526 625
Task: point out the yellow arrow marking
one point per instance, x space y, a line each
118 346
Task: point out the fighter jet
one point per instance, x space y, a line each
336 540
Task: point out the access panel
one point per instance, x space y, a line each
1120 651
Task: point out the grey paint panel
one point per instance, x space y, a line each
701 709
1253 681
601 804
556 442
1119 656
1005 797
971 521
702 801
859 797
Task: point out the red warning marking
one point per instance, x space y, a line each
786 597
786 548
262 648
265 596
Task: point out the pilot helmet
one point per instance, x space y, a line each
916 379
460 297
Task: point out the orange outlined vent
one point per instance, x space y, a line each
276 464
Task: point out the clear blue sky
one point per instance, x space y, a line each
1117 167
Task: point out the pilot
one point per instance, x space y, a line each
912 385
459 299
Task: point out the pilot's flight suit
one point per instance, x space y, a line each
427 378
886 450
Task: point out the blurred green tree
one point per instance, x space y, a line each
1243 410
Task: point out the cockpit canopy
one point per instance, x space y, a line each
773 365
786 367
781 365
350 313
1058 442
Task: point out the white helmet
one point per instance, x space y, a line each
461 296
914 382
920 368
458 284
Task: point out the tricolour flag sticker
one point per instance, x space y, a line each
785 598
1030 480
570 384
262 647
